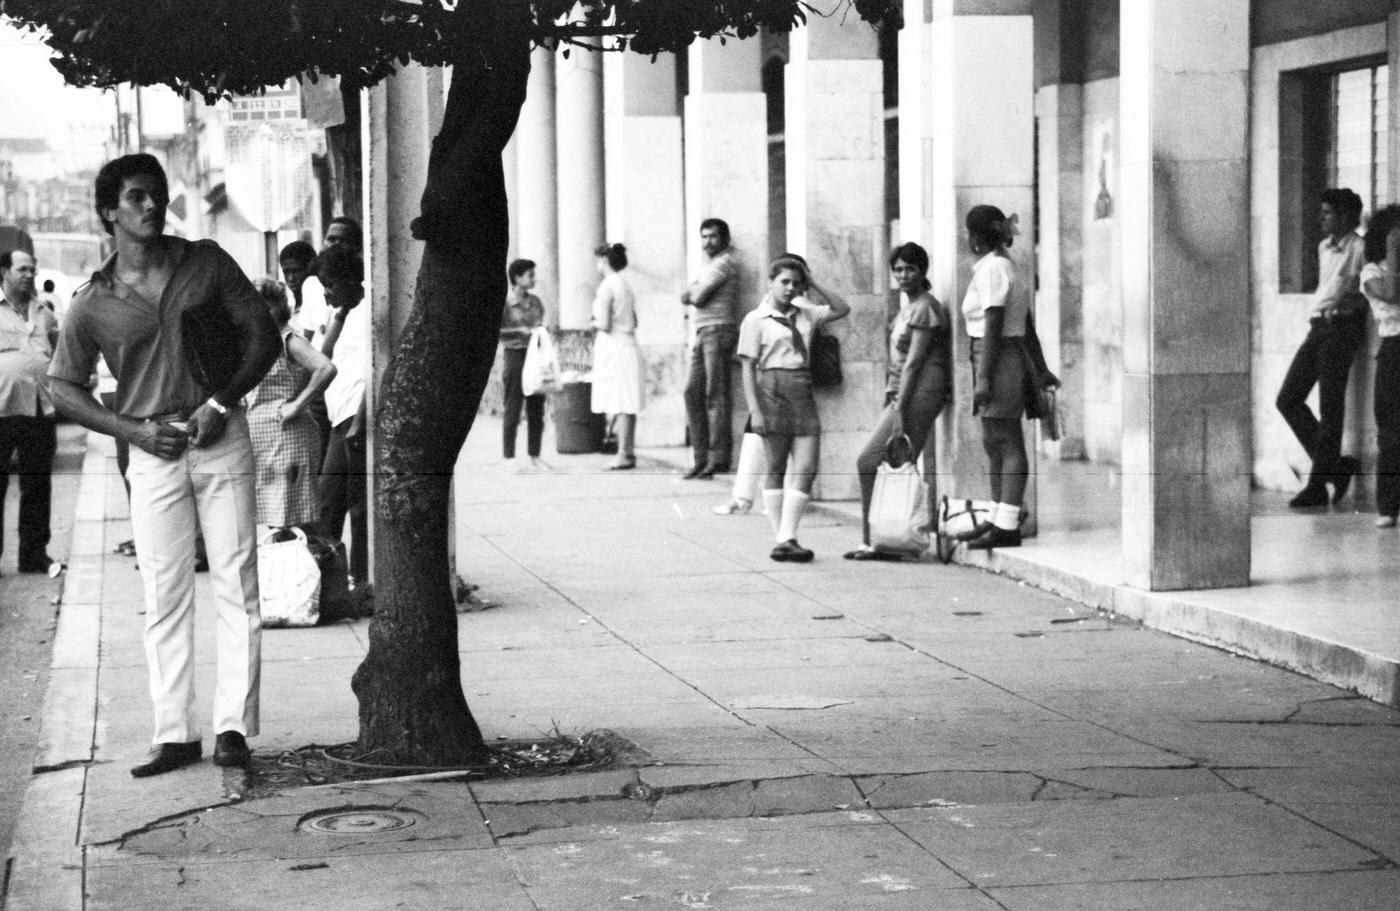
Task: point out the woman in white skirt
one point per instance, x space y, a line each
617 363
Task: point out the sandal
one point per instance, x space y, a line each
623 465
869 553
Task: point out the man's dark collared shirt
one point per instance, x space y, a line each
142 340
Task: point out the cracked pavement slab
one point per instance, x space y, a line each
1090 765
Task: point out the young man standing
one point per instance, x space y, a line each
714 299
191 459
1337 328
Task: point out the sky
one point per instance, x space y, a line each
35 103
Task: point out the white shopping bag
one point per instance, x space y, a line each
899 516
958 518
541 371
289 581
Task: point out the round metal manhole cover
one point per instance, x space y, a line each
365 821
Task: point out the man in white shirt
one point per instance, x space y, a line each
313 315
1338 326
28 331
342 486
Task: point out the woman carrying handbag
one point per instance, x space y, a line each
1006 361
917 385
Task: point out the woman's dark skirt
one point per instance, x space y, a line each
1008 383
786 402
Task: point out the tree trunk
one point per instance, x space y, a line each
412 708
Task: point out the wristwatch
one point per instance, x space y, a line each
221 409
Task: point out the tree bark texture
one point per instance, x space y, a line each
412 707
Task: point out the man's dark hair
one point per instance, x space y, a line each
107 189
298 250
7 259
1345 203
353 225
274 294
518 268
1381 224
720 225
339 264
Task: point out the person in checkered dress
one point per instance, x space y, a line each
286 442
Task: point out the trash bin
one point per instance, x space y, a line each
576 428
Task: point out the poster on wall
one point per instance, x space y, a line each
1103 169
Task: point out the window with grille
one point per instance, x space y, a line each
1357 154
1333 125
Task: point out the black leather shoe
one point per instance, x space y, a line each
1341 481
791 552
230 749
39 564
696 472
996 537
978 530
167 757
1314 494
718 468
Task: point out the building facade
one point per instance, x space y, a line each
1164 157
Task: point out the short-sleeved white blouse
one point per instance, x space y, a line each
995 284
1386 313
769 343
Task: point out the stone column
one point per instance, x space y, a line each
983 126
1059 106
915 125
535 207
836 219
510 161
726 156
399 118
646 189
579 121
1186 332
726 169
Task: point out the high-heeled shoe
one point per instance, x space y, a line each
1341 481
1312 494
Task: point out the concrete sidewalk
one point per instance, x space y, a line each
831 736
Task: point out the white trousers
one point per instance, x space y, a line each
213 489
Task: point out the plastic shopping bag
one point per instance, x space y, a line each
899 506
289 580
957 519
541 371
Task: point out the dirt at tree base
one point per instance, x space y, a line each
556 754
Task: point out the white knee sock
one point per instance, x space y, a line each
1006 516
794 505
752 461
773 506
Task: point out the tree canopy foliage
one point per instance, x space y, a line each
214 47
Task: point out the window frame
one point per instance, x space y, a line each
1306 124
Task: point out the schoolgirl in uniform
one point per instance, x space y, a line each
774 341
